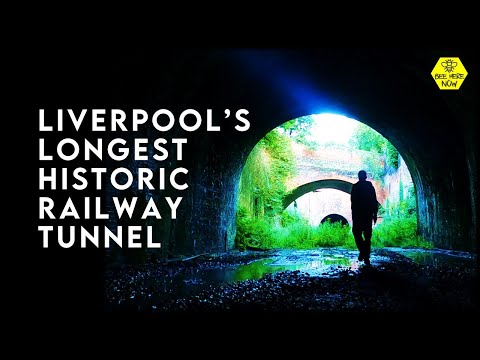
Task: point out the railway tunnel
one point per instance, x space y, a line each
432 129
389 90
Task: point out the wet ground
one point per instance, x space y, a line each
320 280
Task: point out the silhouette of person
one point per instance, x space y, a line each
364 210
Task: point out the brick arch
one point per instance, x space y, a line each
390 90
326 164
336 184
336 217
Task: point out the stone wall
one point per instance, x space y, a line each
328 163
315 206
398 182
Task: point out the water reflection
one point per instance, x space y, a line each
314 265
257 269
324 262
437 258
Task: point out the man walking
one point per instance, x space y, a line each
364 210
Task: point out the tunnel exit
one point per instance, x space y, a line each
300 175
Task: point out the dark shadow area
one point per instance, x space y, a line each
335 218
249 283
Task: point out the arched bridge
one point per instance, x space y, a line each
327 168
336 184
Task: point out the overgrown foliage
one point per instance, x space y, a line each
399 232
299 129
289 231
261 224
365 138
399 225
268 233
262 184
406 206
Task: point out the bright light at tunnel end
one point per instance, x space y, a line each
332 128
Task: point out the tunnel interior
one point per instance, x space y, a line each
389 89
435 131
415 119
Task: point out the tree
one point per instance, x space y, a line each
365 138
298 129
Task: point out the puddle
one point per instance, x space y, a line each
310 262
257 269
437 257
322 262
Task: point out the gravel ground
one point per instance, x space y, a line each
393 283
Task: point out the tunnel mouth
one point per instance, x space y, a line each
335 218
292 165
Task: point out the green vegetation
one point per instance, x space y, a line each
405 207
365 138
399 225
266 233
262 223
298 129
262 184
398 232
288 231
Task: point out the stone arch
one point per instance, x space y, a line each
389 90
335 218
336 184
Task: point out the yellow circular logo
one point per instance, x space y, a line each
449 73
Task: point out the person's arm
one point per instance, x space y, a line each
352 196
374 205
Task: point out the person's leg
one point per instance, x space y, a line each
367 244
357 234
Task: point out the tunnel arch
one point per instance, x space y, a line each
387 89
430 170
335 218
336 184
